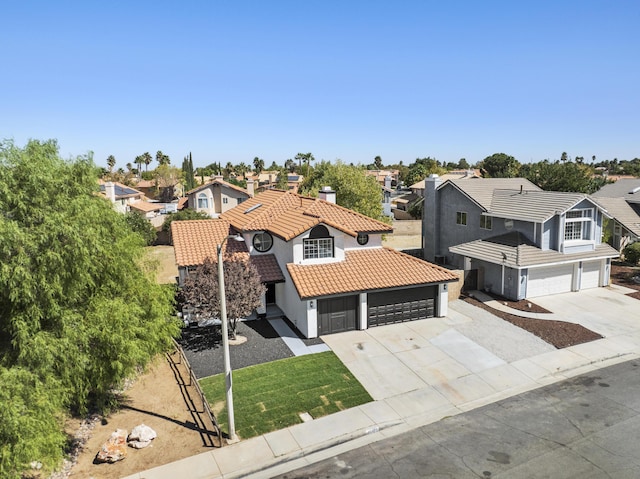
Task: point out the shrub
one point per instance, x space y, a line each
142 226
632 253
183 215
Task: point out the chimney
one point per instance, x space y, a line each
327 194
110 191
218 177
387 182
250 187
431 218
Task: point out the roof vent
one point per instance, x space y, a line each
254 207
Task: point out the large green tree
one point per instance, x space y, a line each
354 189
421 168
500 165
79 310
563 176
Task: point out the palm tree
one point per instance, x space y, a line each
162 159
242 168
258 163
138 161
229 168
147 158
111 162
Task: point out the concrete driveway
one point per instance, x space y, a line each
607 311
472 357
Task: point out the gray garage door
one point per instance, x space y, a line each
336 315
402 305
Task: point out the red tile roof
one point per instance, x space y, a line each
366 270
195 240
287 215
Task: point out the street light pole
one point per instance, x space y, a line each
225 339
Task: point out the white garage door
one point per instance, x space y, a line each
590 277
549 280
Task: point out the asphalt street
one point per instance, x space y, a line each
586 427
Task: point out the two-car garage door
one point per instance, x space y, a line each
550 280
340 314
559 279
401 305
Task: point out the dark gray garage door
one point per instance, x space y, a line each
402 305
337 314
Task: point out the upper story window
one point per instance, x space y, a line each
225 200
262 241
203 201
577 225
486 222
362 239
461 218
319 244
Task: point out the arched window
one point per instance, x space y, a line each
319 244
203 201
363 238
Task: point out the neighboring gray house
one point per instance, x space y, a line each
622 201
514 239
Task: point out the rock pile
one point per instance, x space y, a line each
141 436
115 449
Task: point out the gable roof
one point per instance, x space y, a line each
537 206
480 190
218 181
451 175
623 213
195 240
623 188
367 269
515 250
286 214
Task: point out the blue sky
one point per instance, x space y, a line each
349 80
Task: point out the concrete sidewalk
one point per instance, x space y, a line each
423 371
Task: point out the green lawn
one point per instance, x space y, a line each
270 396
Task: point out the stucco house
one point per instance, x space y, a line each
514 239
120 195
622 201
216 197
324 266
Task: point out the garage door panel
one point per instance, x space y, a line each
590 277
336 315
401 305
550 280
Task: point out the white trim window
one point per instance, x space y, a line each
203 201
318 248
486 222
461 218
578 225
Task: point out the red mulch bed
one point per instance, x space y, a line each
622 274
557 333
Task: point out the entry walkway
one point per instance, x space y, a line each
419 373
291 339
